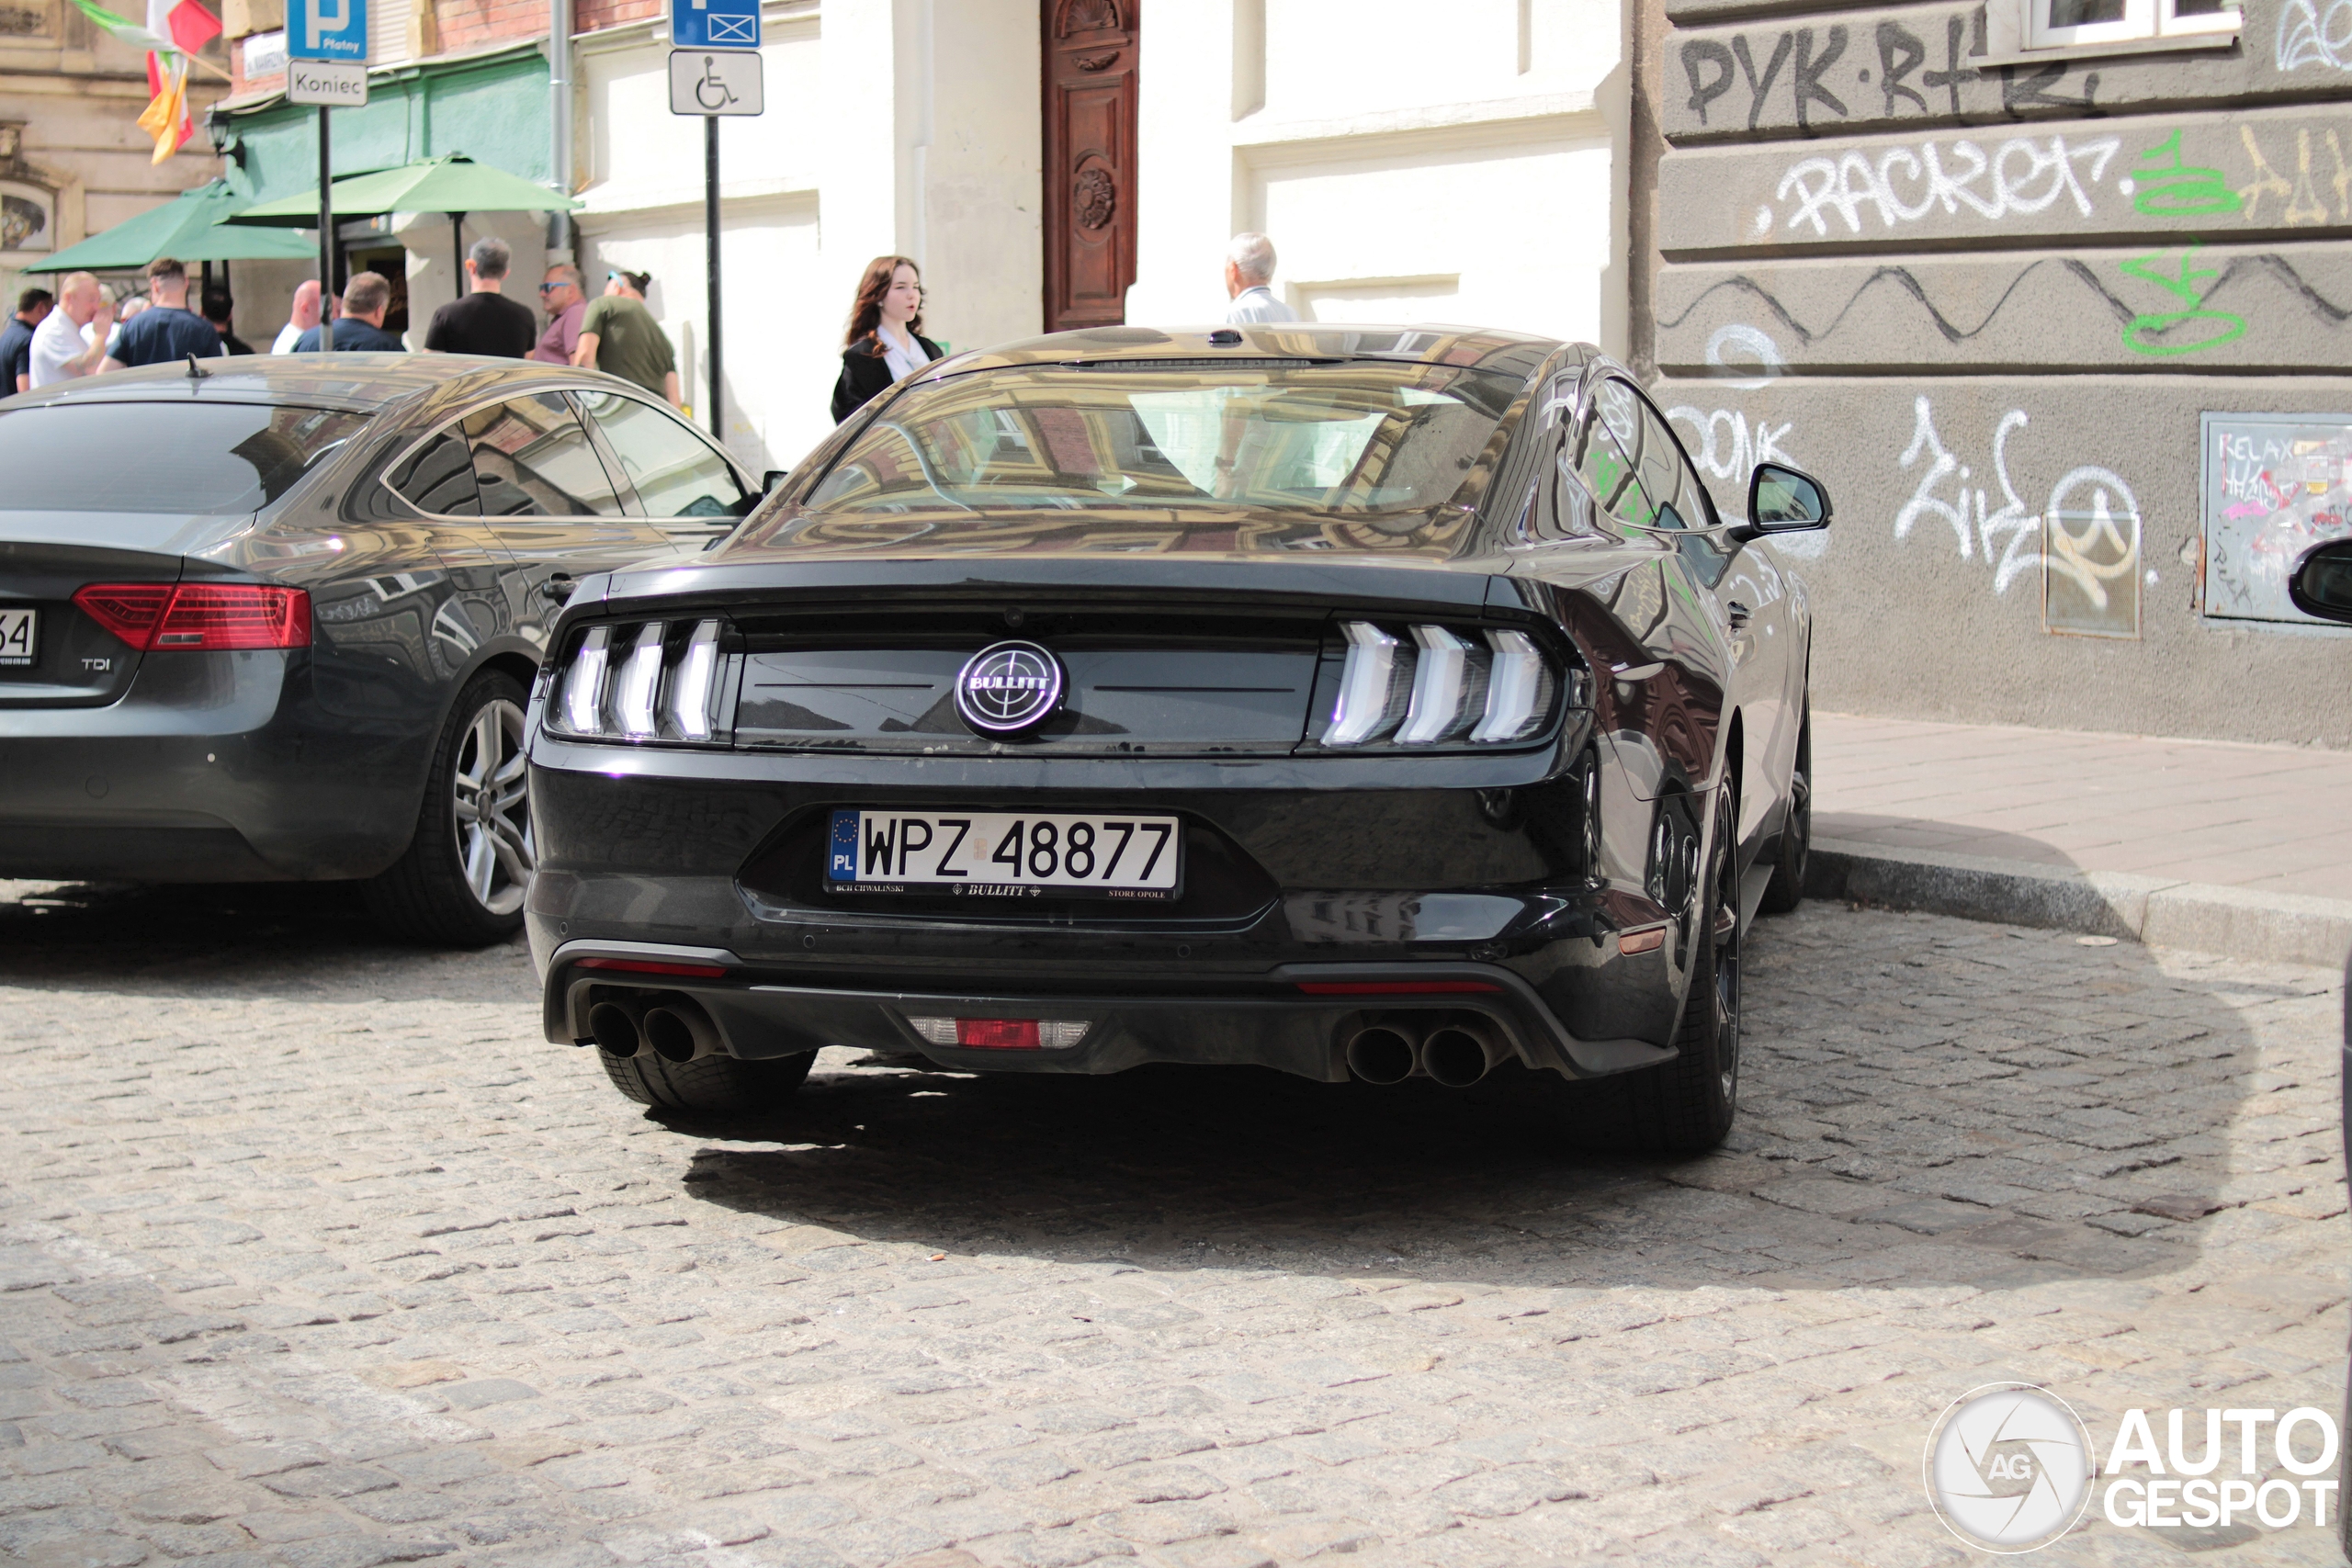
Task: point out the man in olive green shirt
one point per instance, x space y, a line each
619 337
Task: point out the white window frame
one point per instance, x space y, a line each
2143 23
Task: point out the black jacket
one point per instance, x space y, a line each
865 372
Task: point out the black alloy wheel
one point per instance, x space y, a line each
463 880
1686 1106
718 1086
1786 890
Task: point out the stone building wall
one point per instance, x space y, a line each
2066 334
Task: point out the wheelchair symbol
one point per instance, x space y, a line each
710 84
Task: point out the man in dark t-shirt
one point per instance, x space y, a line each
17 341
360 328
167 331
485 321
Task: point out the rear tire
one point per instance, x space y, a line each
1786 890
468 866
715 1085
1686 1106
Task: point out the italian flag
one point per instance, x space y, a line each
175 29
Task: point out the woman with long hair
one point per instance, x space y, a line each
885 342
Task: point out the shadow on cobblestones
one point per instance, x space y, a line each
313 1255
1931 1102
260 938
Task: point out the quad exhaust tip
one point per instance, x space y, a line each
1456 1053
1380 1055
671 1026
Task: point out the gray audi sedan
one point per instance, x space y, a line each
276 619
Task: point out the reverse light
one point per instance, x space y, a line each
1003 1033
200 617
1445 689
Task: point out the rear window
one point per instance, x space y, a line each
193 458
1358 437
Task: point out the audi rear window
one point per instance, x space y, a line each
195 459
1354 436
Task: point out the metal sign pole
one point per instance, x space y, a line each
710 243
326 239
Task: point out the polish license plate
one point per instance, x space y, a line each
1006 854
19 637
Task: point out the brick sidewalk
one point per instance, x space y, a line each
2263 818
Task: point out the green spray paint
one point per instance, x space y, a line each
2175 190
2182 287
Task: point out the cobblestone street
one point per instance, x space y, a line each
313 1253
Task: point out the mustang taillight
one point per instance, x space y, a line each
199 616
653 681
1444 688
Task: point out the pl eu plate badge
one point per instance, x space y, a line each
842 862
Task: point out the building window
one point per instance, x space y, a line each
2091 24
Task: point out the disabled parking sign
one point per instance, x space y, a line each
715 24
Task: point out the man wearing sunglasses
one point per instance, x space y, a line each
565 301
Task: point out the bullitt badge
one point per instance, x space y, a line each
1009 687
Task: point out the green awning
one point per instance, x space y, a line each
451 184
191 227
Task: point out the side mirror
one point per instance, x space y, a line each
2321 583
1782 501
772 477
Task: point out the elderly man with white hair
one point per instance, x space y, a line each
1249 268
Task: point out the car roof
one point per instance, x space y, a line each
1484 348
359 382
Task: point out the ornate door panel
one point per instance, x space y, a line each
1090 106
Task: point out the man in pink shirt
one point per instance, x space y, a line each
566 302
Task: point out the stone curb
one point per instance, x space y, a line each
2285 927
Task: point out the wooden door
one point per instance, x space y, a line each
1090 106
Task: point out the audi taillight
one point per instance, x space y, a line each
660 681
1440 686
207 617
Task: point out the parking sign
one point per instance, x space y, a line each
710 24
327 29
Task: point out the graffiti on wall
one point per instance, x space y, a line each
2023 175
2084 541
1723 443
2309 37
2275 486
1830 196
1818 68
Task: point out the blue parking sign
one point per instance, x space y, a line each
327 29
712 24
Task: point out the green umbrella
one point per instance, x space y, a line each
452 184
192 228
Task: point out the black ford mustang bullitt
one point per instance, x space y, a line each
1356 702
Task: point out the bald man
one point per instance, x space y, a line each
306 316
58 352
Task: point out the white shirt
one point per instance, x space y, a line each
899 350
1257 303
287 336
55 341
